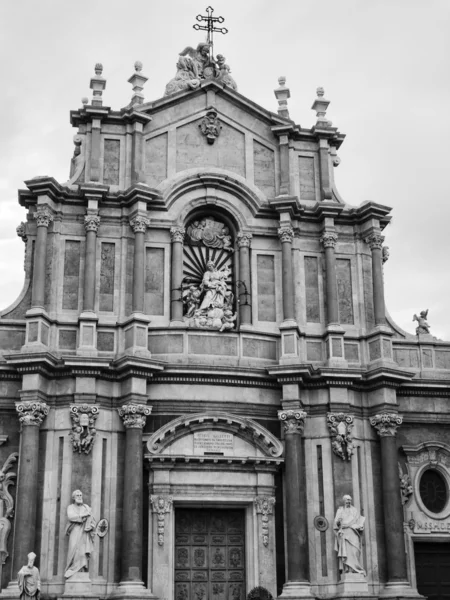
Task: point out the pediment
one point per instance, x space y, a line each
214 434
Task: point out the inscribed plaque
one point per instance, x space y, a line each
213 441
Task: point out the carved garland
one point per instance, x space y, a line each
161 505
264 507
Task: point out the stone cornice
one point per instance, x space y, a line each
287 204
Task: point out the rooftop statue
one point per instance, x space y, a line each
422 321
196 65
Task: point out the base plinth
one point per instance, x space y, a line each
352 583
296 590
399 590
79 586
132 589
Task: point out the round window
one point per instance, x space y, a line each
433 490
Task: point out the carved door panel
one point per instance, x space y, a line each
209 554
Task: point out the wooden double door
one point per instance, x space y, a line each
433 569
209 554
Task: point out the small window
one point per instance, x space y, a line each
433 491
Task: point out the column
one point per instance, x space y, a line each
244 241
134 417
91 224
375 241
296 508
139 225
329 240
286 235
177 236
43 218
31 415
386 425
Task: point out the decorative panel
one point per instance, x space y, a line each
307 178
209 554
154 281
345 294
129 276
264 169
107 264
156 160
312 289
71 277
265 268
368 290
111 162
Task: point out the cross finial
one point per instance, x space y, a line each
209 27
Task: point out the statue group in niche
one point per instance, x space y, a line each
348 528
196 65
210 305
210 233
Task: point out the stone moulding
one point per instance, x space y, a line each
245 428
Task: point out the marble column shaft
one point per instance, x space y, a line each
139 225
244 241
286 235
177 235
295 490
375 241
134 418
31 415
386 425
329 240
43 218
91 223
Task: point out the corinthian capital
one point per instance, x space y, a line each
43 216
293 420
244 240
286 234
375 241
329 239
139 224
386 424
32 413
177 234
134 416
91 222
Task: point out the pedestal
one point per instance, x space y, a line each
335 347
352 584
37 331
136 336
87 337
132 589
296 590
78 586
289 342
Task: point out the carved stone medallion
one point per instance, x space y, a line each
210 126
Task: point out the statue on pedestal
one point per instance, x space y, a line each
29 580
348 528
81 531
422 321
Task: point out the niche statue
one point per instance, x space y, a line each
348 529
81 531
28 580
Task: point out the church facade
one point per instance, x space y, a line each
202 353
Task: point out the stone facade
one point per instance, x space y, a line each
212 313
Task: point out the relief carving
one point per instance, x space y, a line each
340 426
83 432
264 507
406 488
210 126
162 505
6 505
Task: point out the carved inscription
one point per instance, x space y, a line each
213 441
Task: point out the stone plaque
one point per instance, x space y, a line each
213 441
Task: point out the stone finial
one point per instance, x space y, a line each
320 105
386 424
98 84
134 416
138 81
282 94
32 413
293 420
84 100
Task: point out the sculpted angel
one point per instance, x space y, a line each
422 321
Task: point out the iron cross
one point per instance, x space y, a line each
209 27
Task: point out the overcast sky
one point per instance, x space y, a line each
384 65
